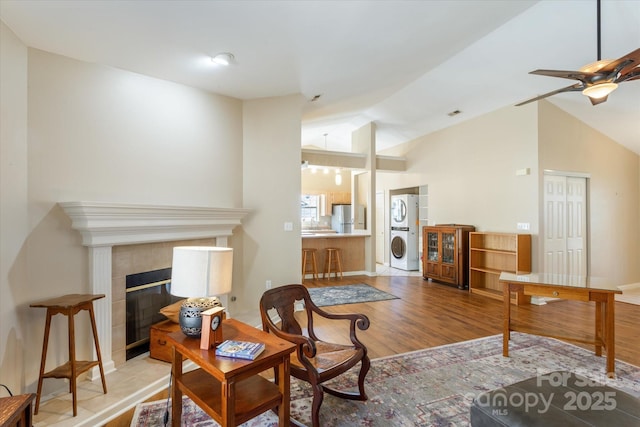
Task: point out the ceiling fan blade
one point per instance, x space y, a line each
626 63
632 75
573 75
572 88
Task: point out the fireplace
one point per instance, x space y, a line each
146 294
127 239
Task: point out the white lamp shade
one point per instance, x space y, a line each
201 271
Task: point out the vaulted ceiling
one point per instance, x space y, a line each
402 64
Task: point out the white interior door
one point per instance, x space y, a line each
565 225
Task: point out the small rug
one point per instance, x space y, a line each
347 294
430 387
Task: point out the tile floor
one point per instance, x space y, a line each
130 384
385 270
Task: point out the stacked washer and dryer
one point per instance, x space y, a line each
404 232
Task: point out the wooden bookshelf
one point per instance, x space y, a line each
492 253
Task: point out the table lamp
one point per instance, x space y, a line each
199 273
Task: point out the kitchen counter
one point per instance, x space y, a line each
321 235
351 246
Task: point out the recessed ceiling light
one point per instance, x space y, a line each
224 58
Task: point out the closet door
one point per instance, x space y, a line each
565 225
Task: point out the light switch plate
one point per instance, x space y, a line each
288 226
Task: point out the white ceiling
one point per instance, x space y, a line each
402 64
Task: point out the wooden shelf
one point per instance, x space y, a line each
492 253
254 395
487 292
487 270
64 371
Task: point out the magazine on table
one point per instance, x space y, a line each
240 349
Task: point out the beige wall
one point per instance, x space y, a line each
471 168
95 134
15 292
568 145
271 190
319 182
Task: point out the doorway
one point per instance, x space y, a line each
564 224
380 233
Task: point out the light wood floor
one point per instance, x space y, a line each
429 314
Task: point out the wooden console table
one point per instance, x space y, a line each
69 305
600 291
15 411
230 390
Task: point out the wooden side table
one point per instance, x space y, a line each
230 390
69 305
15 411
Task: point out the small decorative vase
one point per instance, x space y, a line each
191 314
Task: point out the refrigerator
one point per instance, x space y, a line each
341 218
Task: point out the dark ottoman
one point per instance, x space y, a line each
556 399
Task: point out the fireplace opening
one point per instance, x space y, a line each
146 294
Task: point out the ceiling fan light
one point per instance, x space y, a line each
594 67
600 90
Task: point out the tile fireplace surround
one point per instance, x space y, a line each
125 239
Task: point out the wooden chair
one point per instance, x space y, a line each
315 361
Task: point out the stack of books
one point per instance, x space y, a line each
240 349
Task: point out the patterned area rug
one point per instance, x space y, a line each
347 294
431 387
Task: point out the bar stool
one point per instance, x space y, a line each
332 260
309 259
69 305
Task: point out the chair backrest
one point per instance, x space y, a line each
283 299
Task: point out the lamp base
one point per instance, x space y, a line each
191 314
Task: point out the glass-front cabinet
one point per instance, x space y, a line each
433 248
446 248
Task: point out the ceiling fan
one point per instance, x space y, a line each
596 80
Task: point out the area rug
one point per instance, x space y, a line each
430 387
347 294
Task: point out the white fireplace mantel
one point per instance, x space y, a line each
110 224
104 225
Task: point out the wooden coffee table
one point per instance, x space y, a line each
230 390
601 291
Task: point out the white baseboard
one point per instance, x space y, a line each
629 286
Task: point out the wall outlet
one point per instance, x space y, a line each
268 284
